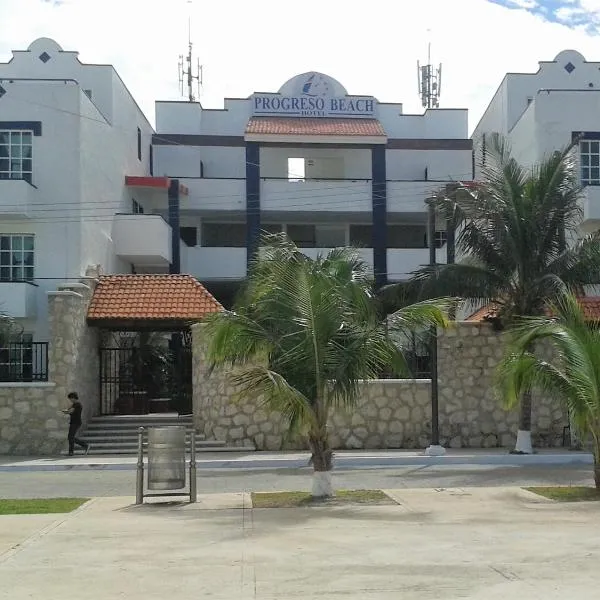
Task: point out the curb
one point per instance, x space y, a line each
341 462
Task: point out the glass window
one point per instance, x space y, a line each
590 162
361 236
304 236
16 155
223 235
189 235
17 257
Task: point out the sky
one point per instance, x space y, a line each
371 47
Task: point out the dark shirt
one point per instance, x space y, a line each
76 414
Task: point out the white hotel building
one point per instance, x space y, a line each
544 111
69 134
85 180
329 168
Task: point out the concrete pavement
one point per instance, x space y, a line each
447 543
294 460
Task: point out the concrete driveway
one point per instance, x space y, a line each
475 543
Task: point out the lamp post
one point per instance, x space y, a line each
434 448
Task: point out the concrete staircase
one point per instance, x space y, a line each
118 434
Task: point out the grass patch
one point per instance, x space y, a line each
40 506
342 497
567 494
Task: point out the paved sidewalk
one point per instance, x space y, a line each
295 460
437 544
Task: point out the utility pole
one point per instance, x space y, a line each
434 448
187 77
430 82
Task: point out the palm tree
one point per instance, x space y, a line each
512 229
572 375
304 333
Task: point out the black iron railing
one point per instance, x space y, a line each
24 362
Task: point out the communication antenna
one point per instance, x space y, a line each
187 77
430 82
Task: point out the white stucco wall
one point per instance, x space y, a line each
80 161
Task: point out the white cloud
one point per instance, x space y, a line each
371 47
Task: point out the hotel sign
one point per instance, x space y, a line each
314 97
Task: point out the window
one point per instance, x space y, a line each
136 207
139 143
590 162
223 235
15 155
406 236
296 169
330 236
189 235
441 237
304 236
16 258
361 236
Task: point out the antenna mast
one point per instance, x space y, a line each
187 76
430 82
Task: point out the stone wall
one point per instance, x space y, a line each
470 413
390 413
30 419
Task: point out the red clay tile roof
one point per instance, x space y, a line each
151 297
590 305
317 126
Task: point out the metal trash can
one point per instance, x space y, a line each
166 458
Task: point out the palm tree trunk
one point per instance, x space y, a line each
523 445
322 462
596 473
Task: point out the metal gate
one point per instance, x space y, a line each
141 380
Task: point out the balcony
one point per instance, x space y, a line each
212 263
16 198
591 208
410 196
213 195
143 240
402 261
18 299
324 195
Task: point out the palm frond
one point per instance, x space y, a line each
273 392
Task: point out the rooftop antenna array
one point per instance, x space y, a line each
187 77
430 82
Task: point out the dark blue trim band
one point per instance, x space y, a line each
379 197
252 199
173 199
35 126
585 135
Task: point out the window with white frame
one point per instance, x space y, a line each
16 155
16 257
590 162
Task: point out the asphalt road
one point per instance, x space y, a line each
122 483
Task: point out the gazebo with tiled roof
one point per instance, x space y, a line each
149 302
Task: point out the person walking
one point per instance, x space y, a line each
75 423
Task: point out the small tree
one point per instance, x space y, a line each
304 334
572 375
513 225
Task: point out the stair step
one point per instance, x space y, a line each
128 452
107 442
120 434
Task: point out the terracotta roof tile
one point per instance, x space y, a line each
151 297
316 126
590 305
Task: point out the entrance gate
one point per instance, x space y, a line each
142 379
